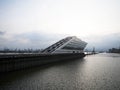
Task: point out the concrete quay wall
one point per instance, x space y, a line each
14 62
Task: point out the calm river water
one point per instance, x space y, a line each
94 72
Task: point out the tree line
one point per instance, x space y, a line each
7 50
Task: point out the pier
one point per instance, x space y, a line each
65 49
22 61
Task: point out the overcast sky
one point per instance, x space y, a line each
37 23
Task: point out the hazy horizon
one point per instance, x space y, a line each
38 24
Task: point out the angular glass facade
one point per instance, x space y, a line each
75 44
67 45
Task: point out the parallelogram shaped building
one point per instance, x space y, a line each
67 45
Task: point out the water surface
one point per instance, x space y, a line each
94 72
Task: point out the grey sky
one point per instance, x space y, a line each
30 23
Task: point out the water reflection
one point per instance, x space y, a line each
95 72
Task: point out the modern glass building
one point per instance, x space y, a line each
67 45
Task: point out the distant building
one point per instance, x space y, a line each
114 50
